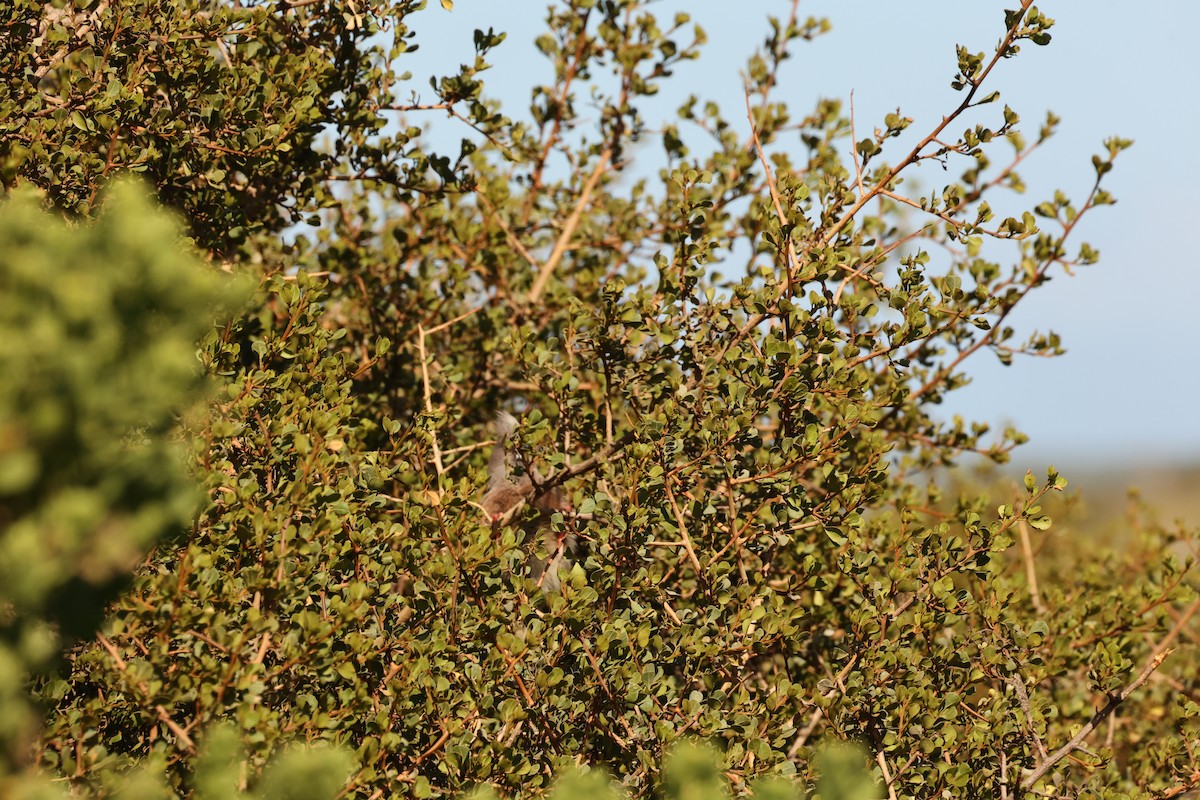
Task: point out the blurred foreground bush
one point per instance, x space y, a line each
692 771
99 325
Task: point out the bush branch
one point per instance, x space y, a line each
1076 741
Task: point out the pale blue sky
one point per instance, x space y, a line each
1127 389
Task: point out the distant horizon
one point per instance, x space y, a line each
1037 459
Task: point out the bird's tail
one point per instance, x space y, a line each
504 425
498 467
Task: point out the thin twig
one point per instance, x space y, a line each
179 732
587 465
1179 625
185 742
887 777
858 165
420 107
564 239
1183 788
508 233
437 452
1076 741
1018 684
443 325
1030 568
683 533
792 260
815 717
549 139
604 687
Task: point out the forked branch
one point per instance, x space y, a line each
1077 740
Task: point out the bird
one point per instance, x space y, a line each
548 551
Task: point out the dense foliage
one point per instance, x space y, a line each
727 334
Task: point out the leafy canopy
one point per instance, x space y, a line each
730 357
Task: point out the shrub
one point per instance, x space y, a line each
731 366
100 326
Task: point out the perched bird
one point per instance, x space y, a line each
548 551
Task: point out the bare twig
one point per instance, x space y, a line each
179 732
420 107
887 777
815 717
1179 625
1076 741
858 166
1188 785
683 533
508 233
422 333
443 325
185 742
437 452
1030 568
1018 684
564 239
604 687
792 260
